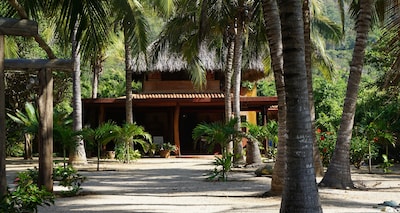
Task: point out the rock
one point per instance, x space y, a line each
265 169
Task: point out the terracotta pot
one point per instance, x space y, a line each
165 153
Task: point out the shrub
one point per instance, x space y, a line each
326 143
27 196
223 166
69 178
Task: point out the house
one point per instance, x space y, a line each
169 107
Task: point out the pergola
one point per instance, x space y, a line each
24 27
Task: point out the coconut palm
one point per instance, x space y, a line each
338 173
83 24
317 29
300 192
273 30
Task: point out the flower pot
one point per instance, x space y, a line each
111 154
165 153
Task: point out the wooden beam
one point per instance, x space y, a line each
38 64
3 180
46 129
18 27
176 129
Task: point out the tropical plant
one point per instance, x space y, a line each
168 146
100 136
63 132
326 144
256 135
27 196
223 166
127 136
70 178
221 134
386 164
30 123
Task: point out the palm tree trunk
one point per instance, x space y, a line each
3 179
253 156
319 169
28 146
300 193
237 70
128 76
97 68
77 155
338 174
273 26
227 92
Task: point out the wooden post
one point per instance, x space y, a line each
46 129
3 180
176 128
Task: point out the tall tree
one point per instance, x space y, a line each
273 29
135 30
237 71
84 25
300 192
338 174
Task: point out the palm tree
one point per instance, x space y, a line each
63 132
135 30
273 29
85 26
300 193
30 123
130 134
338 173
317 27
100 136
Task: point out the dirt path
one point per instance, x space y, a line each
178 185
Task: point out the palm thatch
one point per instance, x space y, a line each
211 60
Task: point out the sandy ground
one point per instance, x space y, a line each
178 185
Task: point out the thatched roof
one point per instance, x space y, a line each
168 61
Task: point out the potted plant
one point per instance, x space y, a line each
166 149
152 149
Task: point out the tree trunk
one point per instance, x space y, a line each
77 155
273 25
28 146
338 174
128 76
300 193
319 169
227 92
46 129
237 70
253 156
97 68
3 179
128 80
